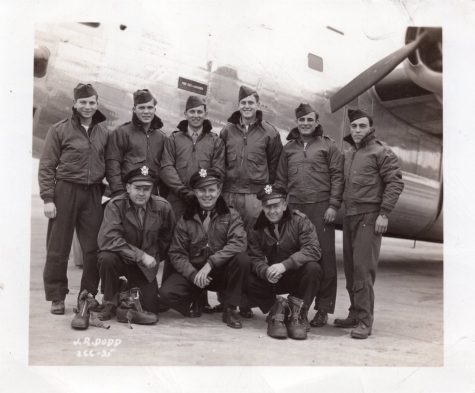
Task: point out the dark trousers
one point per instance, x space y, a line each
178 292
326 296
302 283
361 248
111 267
77 207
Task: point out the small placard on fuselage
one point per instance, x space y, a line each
193 86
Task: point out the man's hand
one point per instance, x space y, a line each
329 216
274 272
381 225
201 279
50 210
149 261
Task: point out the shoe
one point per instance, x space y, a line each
81 319
347 322
107 312
320 319
361 331
130 309
218 308
57 307
296 326
207 309
231 318
195 310
246 312
276 318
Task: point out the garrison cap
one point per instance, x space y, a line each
304 109
271 192
144 173
354 114
84 90
245 91
143 95
205 177
194 101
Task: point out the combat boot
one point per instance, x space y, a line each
348 322
296 327
361 331
81 319
276 318
130 309
320 319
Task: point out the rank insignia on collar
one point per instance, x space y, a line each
144 170
203 173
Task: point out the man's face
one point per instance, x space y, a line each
208 195
145 111
139 192
248 107
86 107
307 123
196 116
274 209
359 128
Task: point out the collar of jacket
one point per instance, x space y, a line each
183 126
235 118
365 141
194 207
155 124
97 117
263 222
295 133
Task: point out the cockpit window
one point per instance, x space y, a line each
315 62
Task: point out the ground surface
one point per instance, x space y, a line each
408 328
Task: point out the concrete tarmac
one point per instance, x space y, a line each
408 327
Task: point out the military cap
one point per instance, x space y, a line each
304 109
205 177
84 90
270 192
354 114
245 91
143 95
194 101
144 173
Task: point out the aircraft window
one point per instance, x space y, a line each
315 62
90 24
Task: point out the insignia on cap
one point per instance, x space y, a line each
144 170
268 189
203 173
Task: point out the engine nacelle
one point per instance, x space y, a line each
424 65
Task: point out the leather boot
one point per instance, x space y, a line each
57 307
347 322
231 318
130 309
276 318
107 312
320 319
81 319
361 331
296 327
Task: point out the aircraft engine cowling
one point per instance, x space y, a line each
424 65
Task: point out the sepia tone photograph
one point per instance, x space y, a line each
217 187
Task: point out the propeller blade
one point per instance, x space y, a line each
372 75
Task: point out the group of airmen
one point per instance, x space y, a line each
237 213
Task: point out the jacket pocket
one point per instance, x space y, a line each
257 167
